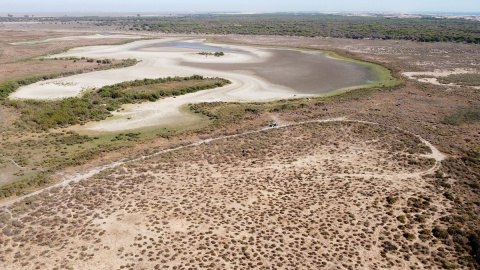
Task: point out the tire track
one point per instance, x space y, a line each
76 177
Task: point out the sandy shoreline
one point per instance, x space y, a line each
257 74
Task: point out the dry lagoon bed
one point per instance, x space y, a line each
257 74
335 195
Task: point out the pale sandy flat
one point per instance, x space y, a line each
96 36
257 74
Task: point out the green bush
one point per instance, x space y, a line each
448 196
409 236
388 246
440 233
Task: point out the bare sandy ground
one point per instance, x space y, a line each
73 38
307 196
432 76
434 154
257 74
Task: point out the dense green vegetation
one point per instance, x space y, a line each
427 29
97 104
16 188
424 29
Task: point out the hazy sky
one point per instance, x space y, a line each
239 5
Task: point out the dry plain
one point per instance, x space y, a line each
334 195
241 202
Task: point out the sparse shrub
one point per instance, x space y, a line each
440 233
464 79
388 246
449 265
454 219
419 203
391 200
448 196
444 184
463 115
420 218
409 236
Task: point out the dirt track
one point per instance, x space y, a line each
435 154
252 205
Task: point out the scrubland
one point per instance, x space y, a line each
354 195
361 193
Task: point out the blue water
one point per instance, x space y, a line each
200 47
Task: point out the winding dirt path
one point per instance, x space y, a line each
16 164
68 178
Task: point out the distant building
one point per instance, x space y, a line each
10 15
138 15
26 16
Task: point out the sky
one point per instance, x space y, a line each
165 6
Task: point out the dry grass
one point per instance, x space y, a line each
312 195
17 53
18 61
32 68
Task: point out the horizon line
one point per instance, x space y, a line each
249 12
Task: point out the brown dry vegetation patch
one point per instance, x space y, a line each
14 53
315 195
18 60
234 202
32 68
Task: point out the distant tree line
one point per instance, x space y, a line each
427 29
423 29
